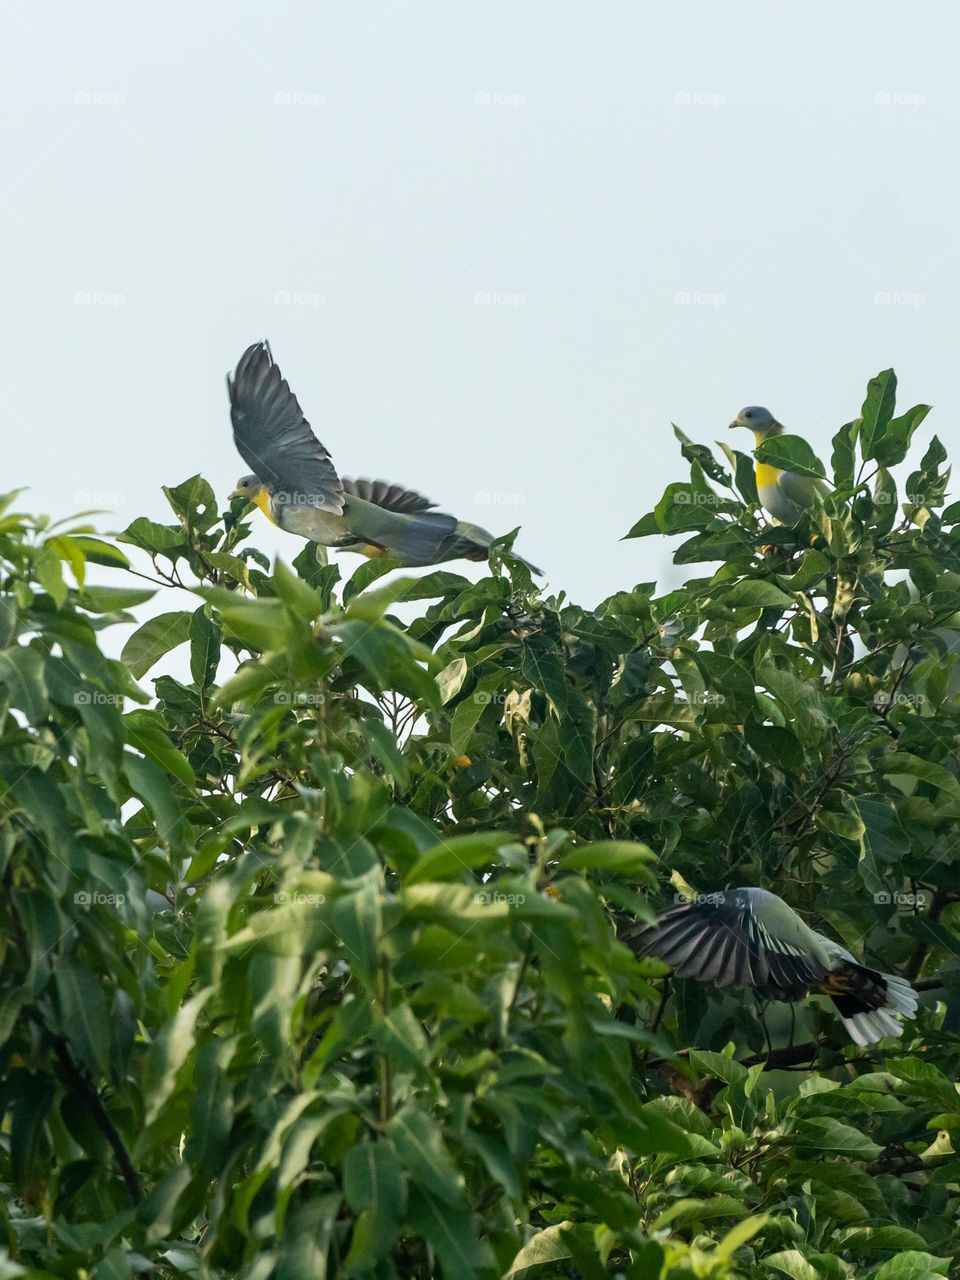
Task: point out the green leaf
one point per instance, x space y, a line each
800 699
739 1235
96 551
877 1239
452 857
109 599
744 471
204 635
83 1014
924 1080
702 455
420 1145
719 1065
686 1212
156 637
389 658
893 446
753 593
356 918
69 551
401 1037
145 732
211 1113
790 453
32 1096
383 746
626 856
684 508
22 671
194 502
452 1234
156 539
644 527
169 1053
368 572
884 501
467 714
877 411
883 836
375 1188
813 568
50 575
450 679
934 774
914 1265
312 566
826 1134
8 620
373 1177
372 605
843 459
546 1246
300 598
260 625
792 1263
150 784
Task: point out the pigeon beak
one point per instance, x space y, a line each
735 423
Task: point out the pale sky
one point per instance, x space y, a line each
497 248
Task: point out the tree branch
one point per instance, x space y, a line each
78 1081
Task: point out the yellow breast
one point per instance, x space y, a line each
262 499
767 476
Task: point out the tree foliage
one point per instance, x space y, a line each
309 961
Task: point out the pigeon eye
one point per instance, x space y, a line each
748 414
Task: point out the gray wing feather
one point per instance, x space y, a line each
274 438
391 497
747 955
